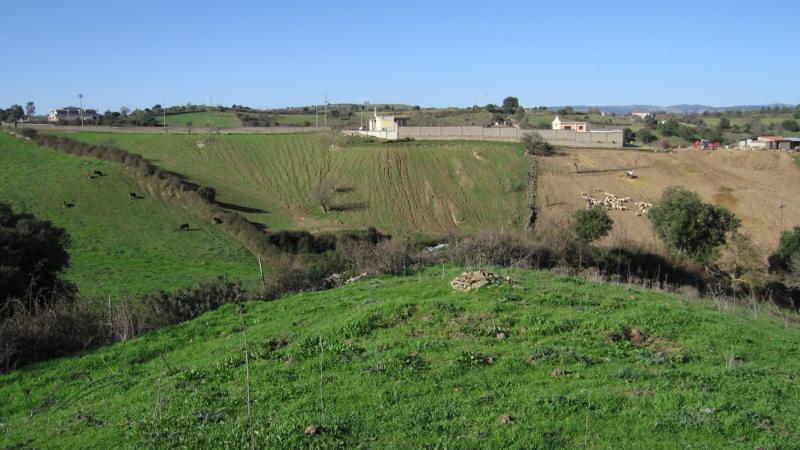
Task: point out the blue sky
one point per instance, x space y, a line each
268 54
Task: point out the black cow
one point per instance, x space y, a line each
99 173
217 220
184 227
134 196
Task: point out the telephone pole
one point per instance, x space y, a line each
80 96
326 110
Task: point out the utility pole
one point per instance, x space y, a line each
316 117
164 110
80 96
326 110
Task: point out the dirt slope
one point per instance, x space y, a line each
751 184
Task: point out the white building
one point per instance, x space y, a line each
386 123
71 113
579 127
640 115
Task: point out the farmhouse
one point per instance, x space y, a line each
771 143
640 115
579 127
70 113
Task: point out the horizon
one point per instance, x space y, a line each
452 55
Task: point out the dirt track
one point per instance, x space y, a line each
749 183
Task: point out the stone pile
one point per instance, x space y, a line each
468 281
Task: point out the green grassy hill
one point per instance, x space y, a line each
203 119
414 188
119 245
406 362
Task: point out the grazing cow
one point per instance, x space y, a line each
133 196
184 227
99 173
217 220
67 205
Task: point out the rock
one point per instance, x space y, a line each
313 430
356 278
506 419
468 281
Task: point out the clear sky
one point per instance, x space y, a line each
431 53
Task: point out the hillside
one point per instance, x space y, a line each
119 245
751 184
202 119
412 188
406 362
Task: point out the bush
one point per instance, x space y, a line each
29 133
492 247
689 227
646 136
790 125
51 331
186 304
535 144
32 255
788 246
209 194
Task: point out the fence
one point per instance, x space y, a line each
569 138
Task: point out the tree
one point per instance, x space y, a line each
321 194
32 257
724 124
689 227
519 114
790 125
650 122
646 136
14 114
535 144
510 105
788 246
30 110
592 224
628 135
124 111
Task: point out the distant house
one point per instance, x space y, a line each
71 113
640 115
771 143
580 127
387 123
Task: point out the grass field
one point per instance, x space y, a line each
119 245
203 119
405 362
412 188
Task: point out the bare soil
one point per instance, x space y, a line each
751 184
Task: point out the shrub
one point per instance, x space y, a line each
28 132
492 247
535 144
55 330
689 227
209 194
790 125
189 303
788 246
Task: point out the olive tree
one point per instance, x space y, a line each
689 227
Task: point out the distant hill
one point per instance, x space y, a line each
674 109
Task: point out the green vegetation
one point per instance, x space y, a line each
405 362
690 227
119 245
203 119
592 224
400 188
